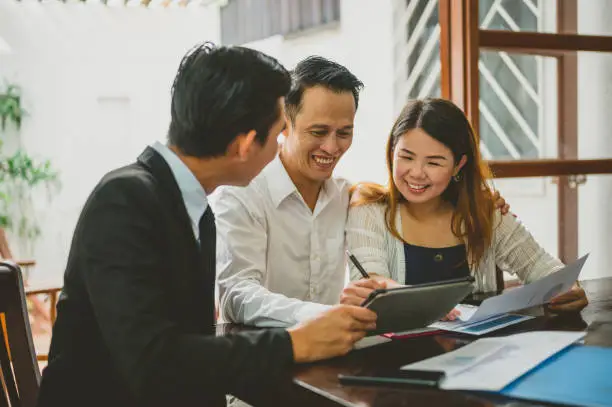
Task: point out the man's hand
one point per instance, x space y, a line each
500 203
572 301
357 291
332 333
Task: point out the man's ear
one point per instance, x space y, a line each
285 131
242 146
459 166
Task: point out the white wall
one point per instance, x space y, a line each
96 82
363 42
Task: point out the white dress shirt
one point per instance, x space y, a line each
278 262
194 196
513 249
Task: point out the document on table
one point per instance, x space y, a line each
480 327
492 314
490 364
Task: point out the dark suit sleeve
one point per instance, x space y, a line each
122 255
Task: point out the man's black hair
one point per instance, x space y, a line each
319 71
220 92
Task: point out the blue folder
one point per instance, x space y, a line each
579 375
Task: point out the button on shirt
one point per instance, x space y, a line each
278 262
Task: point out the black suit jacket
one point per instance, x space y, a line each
132 327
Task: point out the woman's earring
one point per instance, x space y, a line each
457 177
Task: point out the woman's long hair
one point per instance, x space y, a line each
469 193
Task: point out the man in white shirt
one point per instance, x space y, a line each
281 239
281 257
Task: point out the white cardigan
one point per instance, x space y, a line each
513 249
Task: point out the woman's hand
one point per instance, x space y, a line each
452 315
572 301
356 292
386 281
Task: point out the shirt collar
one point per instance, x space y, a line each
194 196
279 182
281 186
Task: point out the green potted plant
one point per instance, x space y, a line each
10 107
20 174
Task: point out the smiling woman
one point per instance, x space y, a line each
436 221
424 167
435 169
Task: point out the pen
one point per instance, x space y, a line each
358 265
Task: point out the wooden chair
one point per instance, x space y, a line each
499 280
503 284
19 367
500 284
32 292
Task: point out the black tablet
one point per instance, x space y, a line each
410 307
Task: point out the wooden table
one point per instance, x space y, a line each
317 384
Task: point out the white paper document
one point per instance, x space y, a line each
483 326
490 364
530 295
493 313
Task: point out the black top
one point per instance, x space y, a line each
428 265
135 323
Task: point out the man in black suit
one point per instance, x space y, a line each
135 324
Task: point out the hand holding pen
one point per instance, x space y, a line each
356 292
357 264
